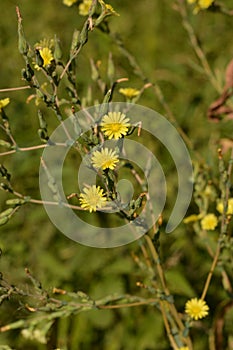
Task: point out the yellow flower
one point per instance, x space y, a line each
4 102
200 4
129 92
115 125
229 207
47 56
69 2
209 222
204 4
196 308
92 198
184 348
84 7
191 218
106 158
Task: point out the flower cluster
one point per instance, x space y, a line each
209 221
200 4
220 207
85 6
196 308
114 125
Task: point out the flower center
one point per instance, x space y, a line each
115 127
196 310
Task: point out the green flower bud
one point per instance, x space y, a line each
43 124
15 201
6 213
94 71
84 33
3 220
75 42
57 54
5 144
22 43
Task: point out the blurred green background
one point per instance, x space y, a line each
152 31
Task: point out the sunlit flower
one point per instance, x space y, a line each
46 55
4 102
106 158
115 125
84 7
229 207
209 222
184 348
204 4
196 308
69 2
200 4
93 198
129 92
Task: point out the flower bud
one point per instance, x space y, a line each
22 43
6 213
57 54
75 42
15 201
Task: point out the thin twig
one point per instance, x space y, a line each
16 88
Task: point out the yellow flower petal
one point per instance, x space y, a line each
69 2
115 125
129 92
196 308
209 222
229 207
47 56
105 159
204 4
92 198
4 102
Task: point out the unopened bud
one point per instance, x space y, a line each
84 33
3 220
94 71
22 43
75 42
57 54
15 201
6 213
5 144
